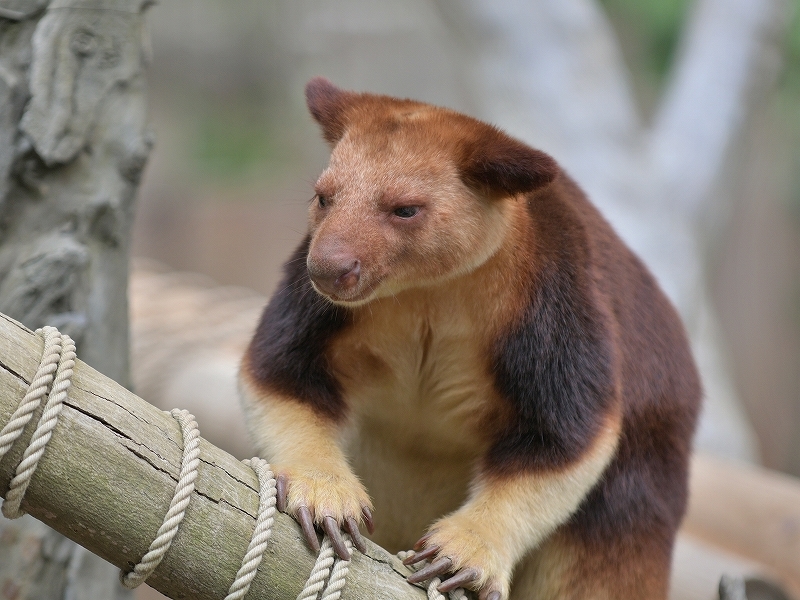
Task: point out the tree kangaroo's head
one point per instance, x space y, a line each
413 194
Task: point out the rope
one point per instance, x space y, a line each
339 575
36 390
322 572
177 508
59 358
258 543
319 574
55 374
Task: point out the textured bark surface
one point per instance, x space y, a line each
72 146
109 473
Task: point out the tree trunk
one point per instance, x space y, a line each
109 472
72 148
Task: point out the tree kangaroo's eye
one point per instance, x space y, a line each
406 212
322 201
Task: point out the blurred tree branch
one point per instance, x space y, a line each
729 56
551 73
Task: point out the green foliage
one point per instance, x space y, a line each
790 80
229 142
650 30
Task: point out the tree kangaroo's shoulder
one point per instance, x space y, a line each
287 354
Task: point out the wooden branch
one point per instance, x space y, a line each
109 472
729 53
748 510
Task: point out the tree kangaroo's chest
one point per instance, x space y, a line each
418 383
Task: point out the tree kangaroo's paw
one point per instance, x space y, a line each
334 502
461 557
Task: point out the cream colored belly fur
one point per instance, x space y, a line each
409 490
420 409
420 397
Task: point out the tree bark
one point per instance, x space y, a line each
72 147
109 472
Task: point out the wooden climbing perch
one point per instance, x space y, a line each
109 473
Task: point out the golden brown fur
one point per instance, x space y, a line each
497 368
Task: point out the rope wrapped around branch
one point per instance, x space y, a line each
53 379
54 375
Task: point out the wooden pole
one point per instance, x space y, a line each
747 510
109 472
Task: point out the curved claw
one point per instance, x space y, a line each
331 527
352 529
307 523
437 567
421 555
280 484
461 578
421 541
367 514
495 595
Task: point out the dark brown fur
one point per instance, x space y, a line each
572 339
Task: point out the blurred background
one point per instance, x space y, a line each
681 119
226 189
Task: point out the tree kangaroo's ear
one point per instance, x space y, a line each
327 104
496 163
